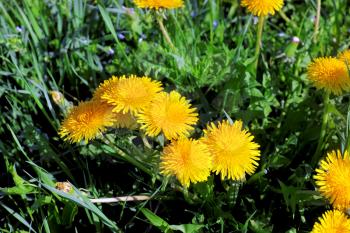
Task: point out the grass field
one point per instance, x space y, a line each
54 54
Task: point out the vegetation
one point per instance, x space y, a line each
54 54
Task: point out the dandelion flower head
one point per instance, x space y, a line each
262 7
333 221
332 179
169 113
156 4
233 150
86 121
330 74
129 94
189 160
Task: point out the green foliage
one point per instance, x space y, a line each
71 46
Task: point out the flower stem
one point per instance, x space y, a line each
288 20
133 161
164 31
317 20
258 39
325 117
187 196
129 158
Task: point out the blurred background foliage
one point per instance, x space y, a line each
71 46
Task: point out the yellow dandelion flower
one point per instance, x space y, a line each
345 56
167 4
330 74
332 179
189 160
129 94
86 121
262 7
233 150
169 113
333 221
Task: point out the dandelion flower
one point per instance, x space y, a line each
169 113
86 121
332 179
345 56
262 7
333 221
189 160
129 94
233 150
167 4
330 74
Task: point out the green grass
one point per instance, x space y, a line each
72 46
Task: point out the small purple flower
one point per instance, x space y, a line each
19 29
110 51
215 24
282 34
193 14
121 36
296 40
255 20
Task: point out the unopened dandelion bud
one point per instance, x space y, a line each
57 97
64 187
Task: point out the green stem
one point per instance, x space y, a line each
129 158
187 197
317 20
258 39
288 20
133 161
164 31
325 117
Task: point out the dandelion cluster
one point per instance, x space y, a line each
122 102
231 149
140 102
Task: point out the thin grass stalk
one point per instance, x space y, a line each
317 20
165 32
325 117
258 39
